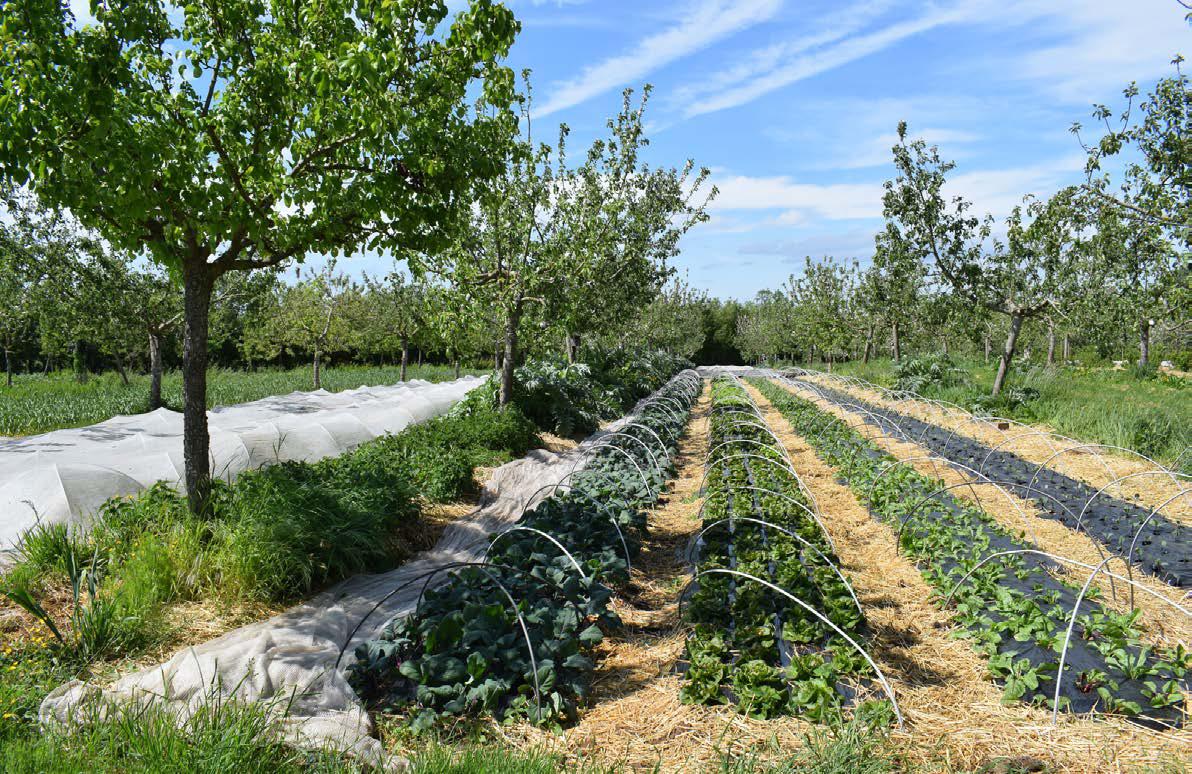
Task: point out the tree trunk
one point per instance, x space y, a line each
868 345
46 370
196 441
80 363
1050 344
1003 367
155 370
121 370
420 357
457 368
496 354
8 366
897 342
1144 342
988 347
405 355
506 393
317 376
572 347
1067 348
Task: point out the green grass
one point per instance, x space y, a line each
1150 414
274 535
38 404
230 737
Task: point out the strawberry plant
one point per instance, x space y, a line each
749 642
1014 610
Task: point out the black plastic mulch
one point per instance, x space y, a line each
1163 547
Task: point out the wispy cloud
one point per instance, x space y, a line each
782 201
1092 54
781 65
709 22
996 191
877 151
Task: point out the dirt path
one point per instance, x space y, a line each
954 711
1038 445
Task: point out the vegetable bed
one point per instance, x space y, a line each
1014 609
513 635
751 644
1162 548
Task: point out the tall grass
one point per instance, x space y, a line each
38 404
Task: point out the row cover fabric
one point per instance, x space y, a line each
288 663
65 475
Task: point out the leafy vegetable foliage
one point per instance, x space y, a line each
513 636
751 644
1015 609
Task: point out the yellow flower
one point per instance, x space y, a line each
9 715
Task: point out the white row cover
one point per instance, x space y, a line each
65 475
290 664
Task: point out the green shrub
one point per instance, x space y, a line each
1013 401
495 436
563 399
927 372
573 399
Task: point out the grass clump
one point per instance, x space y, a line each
221 736
858 746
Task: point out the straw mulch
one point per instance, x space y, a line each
1097 467
955 719
1163 622
953 710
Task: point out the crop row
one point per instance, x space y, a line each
1005 592
1162 547
513 635
775 623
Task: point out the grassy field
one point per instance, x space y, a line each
38 404
1151 414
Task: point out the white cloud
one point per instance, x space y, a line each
790 203
835 201
777 66
1102 45
764 60
877 151
711 21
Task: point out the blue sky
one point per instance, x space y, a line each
793 103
